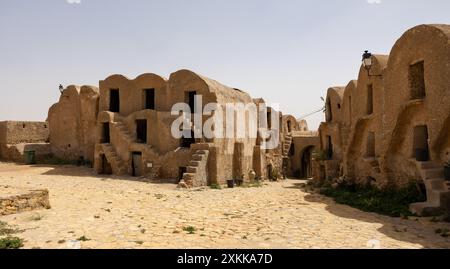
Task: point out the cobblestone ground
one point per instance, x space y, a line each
125 213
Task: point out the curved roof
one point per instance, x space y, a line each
141 76
336 91
223 93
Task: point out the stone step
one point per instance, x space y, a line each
201 152
435 184
192 169
197 157
425 209
194 163
428 165
433 173
188 176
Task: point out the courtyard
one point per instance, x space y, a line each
92 211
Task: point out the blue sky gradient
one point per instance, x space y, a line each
288 52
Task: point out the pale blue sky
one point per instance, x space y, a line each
288 52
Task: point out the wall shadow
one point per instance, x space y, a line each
416 232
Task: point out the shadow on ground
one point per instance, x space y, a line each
413 230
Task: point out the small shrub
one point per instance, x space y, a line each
215 186
11 243
391 202
190 229
83 238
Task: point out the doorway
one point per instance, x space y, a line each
181 172
189 98
306 167
149 99
105 133
186 142
141 131
105 167
136 164
270 174
421 149
329 150
114 100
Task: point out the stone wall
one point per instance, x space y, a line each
35 199
15 132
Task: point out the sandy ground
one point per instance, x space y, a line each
125 213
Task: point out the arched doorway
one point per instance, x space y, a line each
305 162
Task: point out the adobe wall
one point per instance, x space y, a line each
15 132
72 123
397 110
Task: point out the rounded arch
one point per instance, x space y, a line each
306 161
333 106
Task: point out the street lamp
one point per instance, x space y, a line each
367 63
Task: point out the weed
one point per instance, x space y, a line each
190 229
215 186
83 238
10 242
390 202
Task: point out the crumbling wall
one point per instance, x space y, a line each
72 123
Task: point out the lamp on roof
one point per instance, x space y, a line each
367 63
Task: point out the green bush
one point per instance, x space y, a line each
215 186
11 243
391 202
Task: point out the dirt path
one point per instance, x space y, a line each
121 213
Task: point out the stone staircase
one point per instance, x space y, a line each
123 130
117 164
438 190
196 174
375 164
287 145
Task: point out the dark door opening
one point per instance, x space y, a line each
190 100
136 164
105 167
421 150
105 133
328 111
417 80
329 150
186 142
269 120
181 171
370 99
289 126
306 168
270 174
114 100
149 95
141 131
370 150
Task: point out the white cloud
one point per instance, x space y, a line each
74 1
372 2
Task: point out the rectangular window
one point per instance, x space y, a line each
149 99
370 145
105 133
417 80
189 99
370 99
114 100
141 131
